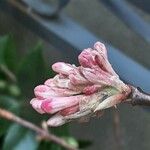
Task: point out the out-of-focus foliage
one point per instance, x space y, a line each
18 77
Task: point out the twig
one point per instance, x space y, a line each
139 97
117 130
48 136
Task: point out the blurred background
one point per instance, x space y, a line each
127 128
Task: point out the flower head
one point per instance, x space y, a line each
77 93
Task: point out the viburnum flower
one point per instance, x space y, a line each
80 92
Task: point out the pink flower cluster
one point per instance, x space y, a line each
77 93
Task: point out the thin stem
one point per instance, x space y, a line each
48 136
139 97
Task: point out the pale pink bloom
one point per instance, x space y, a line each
77 93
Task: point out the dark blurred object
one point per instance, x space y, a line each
131 18
142 4
44 9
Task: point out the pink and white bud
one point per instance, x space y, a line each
36 104
76 78
100 47
56 120
78 93
87 58
63 68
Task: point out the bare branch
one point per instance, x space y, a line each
139 97
43 133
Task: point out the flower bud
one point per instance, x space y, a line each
78 93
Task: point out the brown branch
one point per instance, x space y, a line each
139 97
43 133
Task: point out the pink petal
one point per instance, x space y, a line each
43 91
96 76
100 47
46 106
77 78
69 110
105 65
50 82
87 58
91 89
56 120
61 67
56 104
48 92
65 92
61 82
36 104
